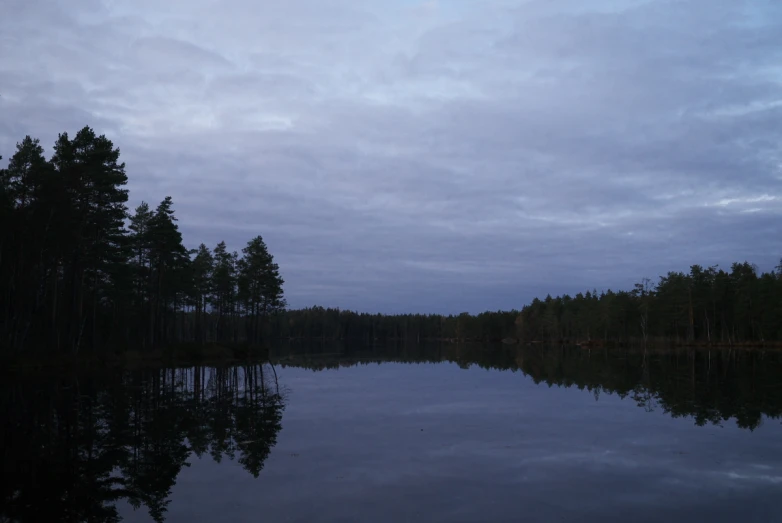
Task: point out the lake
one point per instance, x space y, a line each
423 433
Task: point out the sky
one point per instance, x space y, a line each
437 156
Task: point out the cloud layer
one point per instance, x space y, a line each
427 156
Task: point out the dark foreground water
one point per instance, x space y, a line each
478 434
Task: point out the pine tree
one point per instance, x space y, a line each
224 290
26 239
73 277
168 263
93 226
260 285
140 245
202 271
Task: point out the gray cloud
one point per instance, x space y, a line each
441 156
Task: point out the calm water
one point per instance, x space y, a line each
425 434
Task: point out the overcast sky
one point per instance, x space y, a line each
439 156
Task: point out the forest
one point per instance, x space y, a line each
81 273
702 307
705 306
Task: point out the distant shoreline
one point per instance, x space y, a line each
221 354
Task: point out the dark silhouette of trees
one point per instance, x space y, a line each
318 323
91 221
704 306
202 271
79 273
259 286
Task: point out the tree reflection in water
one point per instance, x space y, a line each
711 386
72 447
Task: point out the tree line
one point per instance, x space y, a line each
707 306
704 306
328 324
78 271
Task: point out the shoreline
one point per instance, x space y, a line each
175 355
223 354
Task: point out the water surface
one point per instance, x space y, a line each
403 434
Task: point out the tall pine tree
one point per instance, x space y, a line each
260 286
